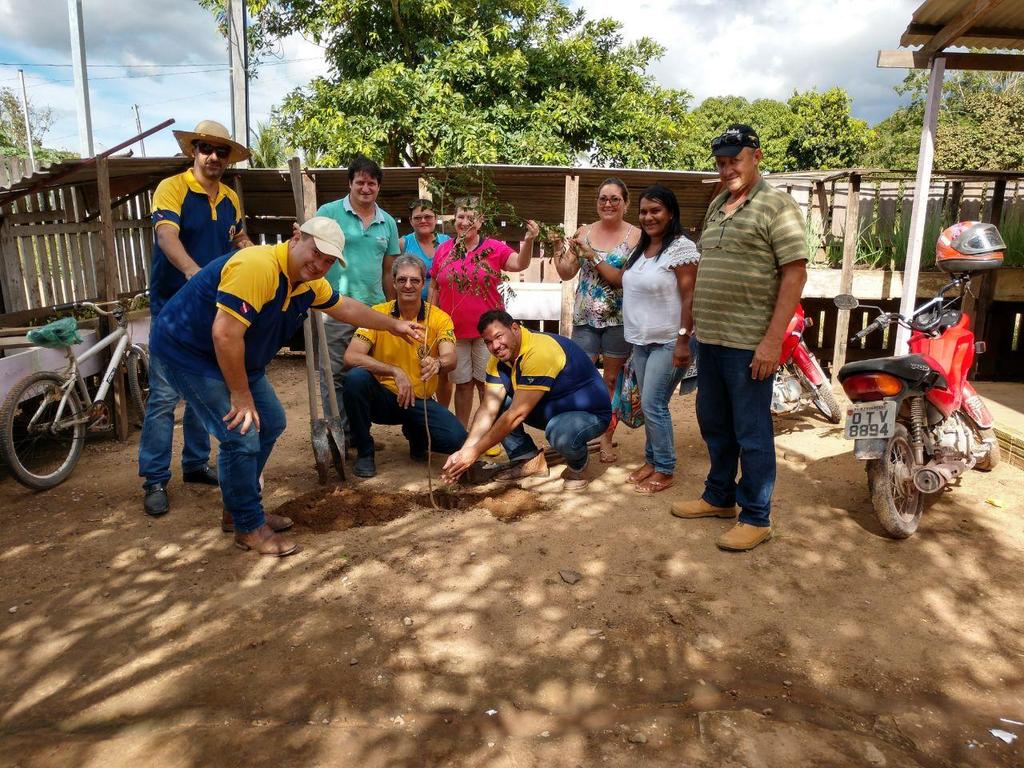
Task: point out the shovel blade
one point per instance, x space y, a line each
321 449
336 441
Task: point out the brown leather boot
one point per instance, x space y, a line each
742 537
689 510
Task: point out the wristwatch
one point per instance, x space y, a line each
684 331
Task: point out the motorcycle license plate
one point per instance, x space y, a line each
865 420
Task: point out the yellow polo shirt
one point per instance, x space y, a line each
392 350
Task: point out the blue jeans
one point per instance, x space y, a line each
158 431
568 433
368 402
242 457
734 413
657 377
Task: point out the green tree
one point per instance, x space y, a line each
268 146
979 119
14 142
453 81
825 134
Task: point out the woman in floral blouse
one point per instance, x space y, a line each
597 312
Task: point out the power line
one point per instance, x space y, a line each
133 77
154 66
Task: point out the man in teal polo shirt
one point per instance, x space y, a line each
371 245
215 338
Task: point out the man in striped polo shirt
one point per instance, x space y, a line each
752 271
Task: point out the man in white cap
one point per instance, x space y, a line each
196 219
215 338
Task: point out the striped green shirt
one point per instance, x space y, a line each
740 255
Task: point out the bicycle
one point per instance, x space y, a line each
45 417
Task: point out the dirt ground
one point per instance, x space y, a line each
402 636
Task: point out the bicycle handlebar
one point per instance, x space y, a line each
128 302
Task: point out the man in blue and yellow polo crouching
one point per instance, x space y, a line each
541 379
216 337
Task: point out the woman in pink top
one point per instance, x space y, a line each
464 283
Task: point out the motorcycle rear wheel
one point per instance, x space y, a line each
898 504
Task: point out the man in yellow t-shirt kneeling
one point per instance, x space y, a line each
390 378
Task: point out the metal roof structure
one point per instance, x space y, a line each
998 24
536 192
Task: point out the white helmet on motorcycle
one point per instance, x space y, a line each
969 246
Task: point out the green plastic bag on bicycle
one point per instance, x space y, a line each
56 335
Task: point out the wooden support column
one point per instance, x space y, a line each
569 223
108 285
956 195
850 238
986 286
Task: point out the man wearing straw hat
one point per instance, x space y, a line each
196 219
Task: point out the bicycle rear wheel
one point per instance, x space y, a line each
39 456
138 380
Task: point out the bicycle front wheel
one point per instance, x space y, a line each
38 454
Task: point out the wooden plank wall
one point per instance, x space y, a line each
49 243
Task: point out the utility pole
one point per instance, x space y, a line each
138 127
81 77
238 56
28 127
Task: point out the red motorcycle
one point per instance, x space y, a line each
800 379
916 419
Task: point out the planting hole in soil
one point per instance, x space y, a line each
338 509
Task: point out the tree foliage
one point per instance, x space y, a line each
979 120
453 81
13 140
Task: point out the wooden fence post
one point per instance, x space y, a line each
107 273
850 237
569 223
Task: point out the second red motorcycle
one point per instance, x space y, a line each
800 380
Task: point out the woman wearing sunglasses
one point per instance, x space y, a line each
597 309
657 296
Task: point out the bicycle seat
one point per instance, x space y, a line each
56 335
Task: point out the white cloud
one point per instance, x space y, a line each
714 47
766 50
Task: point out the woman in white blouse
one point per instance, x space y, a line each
657 282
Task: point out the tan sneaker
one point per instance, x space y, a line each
742 537
575 479
688 510
534 467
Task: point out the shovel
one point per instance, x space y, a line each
327 435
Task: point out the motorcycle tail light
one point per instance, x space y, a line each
871 386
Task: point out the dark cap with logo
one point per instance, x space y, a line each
734 139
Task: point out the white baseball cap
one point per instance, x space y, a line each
327 235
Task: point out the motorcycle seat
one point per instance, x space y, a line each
914 369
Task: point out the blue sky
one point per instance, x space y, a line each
714 48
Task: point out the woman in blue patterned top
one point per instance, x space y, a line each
597 311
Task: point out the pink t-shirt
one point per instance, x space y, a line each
467 298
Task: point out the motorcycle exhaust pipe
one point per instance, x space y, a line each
932 478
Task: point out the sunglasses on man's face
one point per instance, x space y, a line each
734 139
205 148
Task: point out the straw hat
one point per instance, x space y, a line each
215 133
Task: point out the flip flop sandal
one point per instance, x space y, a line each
277 523
635 477
649 487
271 553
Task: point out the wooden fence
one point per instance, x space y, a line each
50 243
